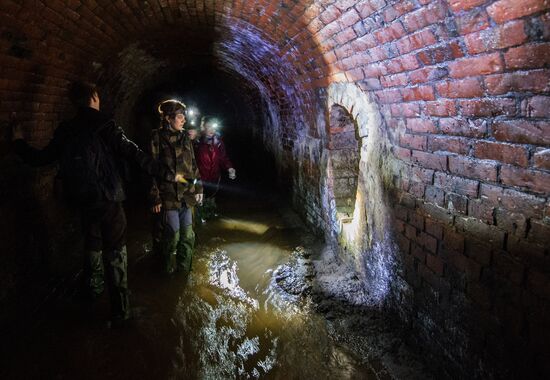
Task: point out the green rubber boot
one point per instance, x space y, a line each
94 274
169 251
208 209
117 275
186 244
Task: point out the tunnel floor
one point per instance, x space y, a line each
260 303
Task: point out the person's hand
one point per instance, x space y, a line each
232 173
16 128
199 198
156 209
180 179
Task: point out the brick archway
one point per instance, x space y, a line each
344 146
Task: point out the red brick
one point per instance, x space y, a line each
528 56
390 33
425 16
418 125
405 109
458 145
397 10
522 131
457 203
472 168
415 41
465 88
472 21
433 228
440 54
374 71
537 106
419 174
329 15
545 21
539 231
345 36
427 74
429 160
402 153
428 242
481 209
455 184
413 141
535 81
463 5
486 64
363 43
513 223
535 180
542 158
403 63
512 154
403 243
505 10
389 96
453 242
394 80
475 229
418 252
366 8
510 34
434 195
418 93
488 107
516 201
435 263
355 75
530 253
349 18
463 127
442 107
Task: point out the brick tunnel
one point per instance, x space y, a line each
412 135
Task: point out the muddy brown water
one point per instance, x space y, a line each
229 319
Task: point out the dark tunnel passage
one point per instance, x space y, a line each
211 92
391 211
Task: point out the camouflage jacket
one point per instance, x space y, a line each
175 150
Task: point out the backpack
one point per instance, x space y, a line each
87 168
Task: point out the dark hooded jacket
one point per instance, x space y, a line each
112 145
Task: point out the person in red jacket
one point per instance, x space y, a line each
211 159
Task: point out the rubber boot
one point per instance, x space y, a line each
208 209
186 244
169 251
94 275
117 276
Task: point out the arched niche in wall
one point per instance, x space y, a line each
345 148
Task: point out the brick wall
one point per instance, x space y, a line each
461 88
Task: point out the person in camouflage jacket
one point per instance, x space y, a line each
172 203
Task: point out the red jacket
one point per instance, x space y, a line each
211 158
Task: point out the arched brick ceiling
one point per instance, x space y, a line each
47 44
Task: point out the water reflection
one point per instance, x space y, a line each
261 302
244 315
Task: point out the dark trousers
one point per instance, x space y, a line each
104 226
